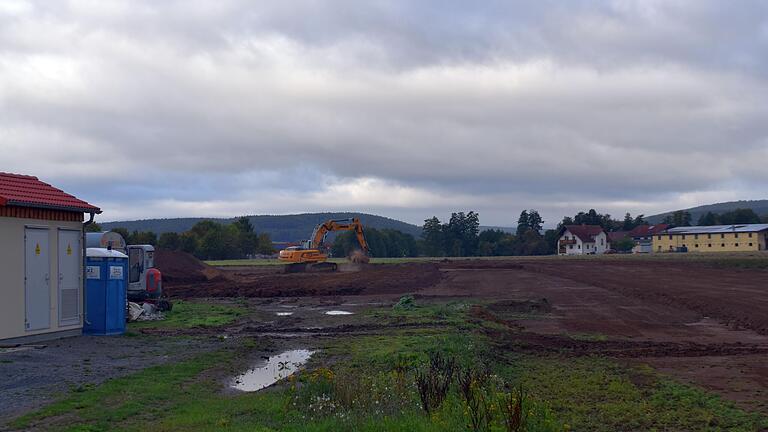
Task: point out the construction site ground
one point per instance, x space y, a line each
699 322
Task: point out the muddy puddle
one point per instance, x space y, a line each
276 368
339 312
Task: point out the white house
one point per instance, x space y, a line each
583 240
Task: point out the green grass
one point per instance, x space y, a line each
186 314
366 383
598 394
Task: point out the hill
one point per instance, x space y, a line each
759 206
282 228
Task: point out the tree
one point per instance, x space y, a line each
522 222
265 245
708 219
529 219
169 241
142 237
93 227
247 239
531 243
434 237
462 233
123 233
188 242
625 244
629 223
739 216
679 218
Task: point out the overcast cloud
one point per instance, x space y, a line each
401 108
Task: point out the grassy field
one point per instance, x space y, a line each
186 314
445 376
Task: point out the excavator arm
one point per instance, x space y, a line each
352 224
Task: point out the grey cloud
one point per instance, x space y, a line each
538 102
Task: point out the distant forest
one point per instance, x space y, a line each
760 207
281 228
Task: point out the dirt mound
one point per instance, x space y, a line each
180 267
376 279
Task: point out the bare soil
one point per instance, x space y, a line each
181 267
271 282
704 325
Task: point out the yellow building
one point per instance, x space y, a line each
718 238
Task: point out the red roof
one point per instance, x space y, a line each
586 233
648 230
28 191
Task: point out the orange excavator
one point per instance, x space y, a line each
311 254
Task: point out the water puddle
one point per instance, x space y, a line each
339 312
277 367
284 313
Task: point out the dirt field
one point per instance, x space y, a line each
707 326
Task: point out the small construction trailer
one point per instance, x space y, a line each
41 260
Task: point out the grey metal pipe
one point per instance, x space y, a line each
85 275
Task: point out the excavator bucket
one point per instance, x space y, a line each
358 257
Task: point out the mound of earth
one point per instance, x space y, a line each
377 279
181 267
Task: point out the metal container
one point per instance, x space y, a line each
105 240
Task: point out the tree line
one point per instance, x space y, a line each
385 243
206 240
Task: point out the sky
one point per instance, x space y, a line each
399 108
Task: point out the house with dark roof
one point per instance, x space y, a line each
642 235
41 261
583 240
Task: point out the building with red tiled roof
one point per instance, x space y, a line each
41 261
583 240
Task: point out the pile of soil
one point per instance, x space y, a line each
180 267
378 279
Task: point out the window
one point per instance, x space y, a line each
736 235
696 237
750 236
722 244
750 245
737 245
683 236
570 246
722 235
659 237
670 237
709 236
696 245
709 245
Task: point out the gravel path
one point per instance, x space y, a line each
32 377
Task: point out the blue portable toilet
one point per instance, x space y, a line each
105 291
